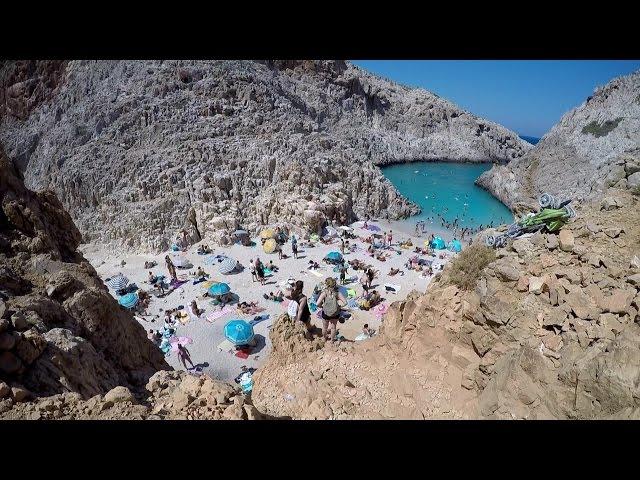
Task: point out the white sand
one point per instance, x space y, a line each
206 336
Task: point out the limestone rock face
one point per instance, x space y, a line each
138 150
547 334
593 147
61 330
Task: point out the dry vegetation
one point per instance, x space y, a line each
466 268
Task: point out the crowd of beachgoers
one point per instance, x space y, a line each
200 304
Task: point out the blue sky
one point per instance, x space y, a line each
526 96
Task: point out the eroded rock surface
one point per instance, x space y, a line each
547 333
592 148
137 150
60 329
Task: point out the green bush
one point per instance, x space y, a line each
466 268
598 130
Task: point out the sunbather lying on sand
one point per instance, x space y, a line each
278 297
151 264
250 308
313 265
204 250
395 271
200 273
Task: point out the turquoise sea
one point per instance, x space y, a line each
446 190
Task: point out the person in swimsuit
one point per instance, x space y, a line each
171 267
294 247
260 271
184 356
252 268
332 295
304 314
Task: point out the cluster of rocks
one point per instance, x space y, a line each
138 150
592 148
550 331
60 329
168 395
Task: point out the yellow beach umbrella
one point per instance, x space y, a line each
267 233
269 246
208 284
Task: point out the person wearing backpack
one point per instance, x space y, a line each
329 300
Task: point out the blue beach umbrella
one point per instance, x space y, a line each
129 300
118 282
238 332
438 243
335 256
455 246
219 289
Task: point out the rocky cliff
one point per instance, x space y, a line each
136 150
60 329
548 331
594 146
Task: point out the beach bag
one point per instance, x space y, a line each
330 306
292 309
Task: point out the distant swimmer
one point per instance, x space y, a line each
466 204
415 171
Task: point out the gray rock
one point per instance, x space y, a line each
119 394
579 156
634 180
4 390
552 241
244 142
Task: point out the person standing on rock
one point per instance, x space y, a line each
172 268
329 301
185 356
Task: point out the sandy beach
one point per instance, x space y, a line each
209 349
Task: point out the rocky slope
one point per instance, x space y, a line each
594 146
168 395
60 329
139 149
549 331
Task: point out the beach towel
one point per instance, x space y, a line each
351 293
242 354
267 272
225 346
352 303
317 274
191 314
175 341
380 309
258 319
177 283
215 315
199 280
361 337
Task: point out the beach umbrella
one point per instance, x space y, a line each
269 246
219 289
227 265
118 282
129 300
455 246
335 256
438 243
267 233
238 332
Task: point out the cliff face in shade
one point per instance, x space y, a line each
137 150
594 146
60 329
